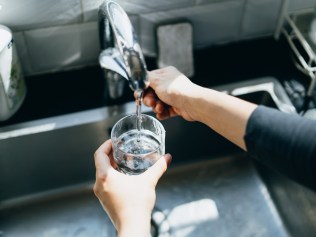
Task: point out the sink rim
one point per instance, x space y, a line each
267 84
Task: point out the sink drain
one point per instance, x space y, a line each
159 224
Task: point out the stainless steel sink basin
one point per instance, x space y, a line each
211 189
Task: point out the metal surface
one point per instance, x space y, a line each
222 197
267 91
67 143
211 189
295 203
303 48
117 35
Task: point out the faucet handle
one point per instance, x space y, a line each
120 34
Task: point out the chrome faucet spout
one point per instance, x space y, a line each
121 52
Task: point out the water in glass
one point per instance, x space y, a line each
135 156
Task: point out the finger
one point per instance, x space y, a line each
166 113
106 147
173 112
161 116
112 161
160 107
158 169
101 158
150 98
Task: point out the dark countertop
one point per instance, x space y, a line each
82 89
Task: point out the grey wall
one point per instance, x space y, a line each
59 35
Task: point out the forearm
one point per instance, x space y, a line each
225 114
284 142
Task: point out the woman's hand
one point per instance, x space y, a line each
171 93
128 200
167 94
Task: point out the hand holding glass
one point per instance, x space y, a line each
135 150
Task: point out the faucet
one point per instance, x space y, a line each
121 57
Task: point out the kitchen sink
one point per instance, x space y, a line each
211 189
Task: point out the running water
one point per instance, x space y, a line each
139 99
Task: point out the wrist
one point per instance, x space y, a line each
136 225
192 101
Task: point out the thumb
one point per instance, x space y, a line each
101 158
159 168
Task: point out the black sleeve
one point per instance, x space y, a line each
284 142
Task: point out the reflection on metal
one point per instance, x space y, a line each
27 131
69 120
270 88
269 201
215 197
265 85
191 213
121 53
160 227
219 197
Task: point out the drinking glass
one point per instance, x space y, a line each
135 150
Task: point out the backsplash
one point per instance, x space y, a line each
59 35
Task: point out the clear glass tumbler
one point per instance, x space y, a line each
136 150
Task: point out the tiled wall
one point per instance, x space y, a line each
62 34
